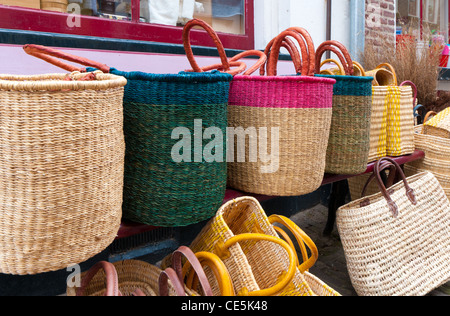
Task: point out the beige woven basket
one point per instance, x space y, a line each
378 124
438 125
397 243
62 162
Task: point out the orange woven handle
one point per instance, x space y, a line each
340 51
307 51
188 48
293 52
45 53
234 62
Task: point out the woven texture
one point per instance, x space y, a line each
62 150
132 275
349 140
378 124
252 265
403 256
301 108
437 158
159 191
439 125
400 121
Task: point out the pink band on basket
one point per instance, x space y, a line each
282 92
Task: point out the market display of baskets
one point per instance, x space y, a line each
84 151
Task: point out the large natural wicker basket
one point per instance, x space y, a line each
62 160
349 141
299 108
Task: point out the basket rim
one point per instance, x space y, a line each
291 78
184 77
56 82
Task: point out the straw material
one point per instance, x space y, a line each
439 125
378 125
158 190
252 266
403 256
349 140
62 149
301 108
437 157
400 121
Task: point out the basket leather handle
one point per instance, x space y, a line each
53 57
188 48
163 282
334 61
340 50
222 250
391 68
391 180
219 270
292 50
307 51
241 67
414 87
429 114
112 279
360 68
409 191
303 240
177 264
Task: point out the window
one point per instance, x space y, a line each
148 20
421 18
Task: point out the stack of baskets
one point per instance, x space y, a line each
431 139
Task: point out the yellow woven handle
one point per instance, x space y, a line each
340 71
217 267
357 66
302 238
391 69
285 280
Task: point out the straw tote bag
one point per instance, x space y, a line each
437 157
62 149
400 123
397 242
439 125
158 189
268 267
288 119
349 141
139 278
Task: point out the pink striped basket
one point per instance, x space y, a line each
279 125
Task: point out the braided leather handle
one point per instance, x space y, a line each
51 56
188 48
234 62
340 50
414 87
306 44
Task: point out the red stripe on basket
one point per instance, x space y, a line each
282 92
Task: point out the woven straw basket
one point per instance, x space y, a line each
158 189
397 242
258 261
299 108
439 125
437 158
139 278
349 141
62 149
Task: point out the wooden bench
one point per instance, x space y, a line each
338 194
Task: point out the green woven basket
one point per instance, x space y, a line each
157 190
349 141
